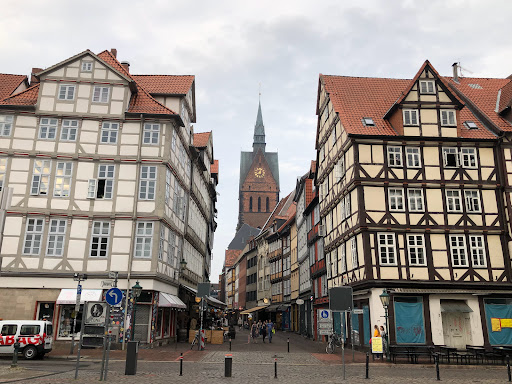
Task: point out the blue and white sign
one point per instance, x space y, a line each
114 296
324 314
79 289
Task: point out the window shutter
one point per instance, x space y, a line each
91 190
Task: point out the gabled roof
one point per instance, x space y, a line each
280 211
242 236
165 84
201 139
9 83
26 98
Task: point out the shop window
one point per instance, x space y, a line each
66 320
159 322
45 311
145 297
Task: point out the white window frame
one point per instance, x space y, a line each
86 66
477 251
448 118
6 122
69 130
168 181
416 202
328 265
109 132
453 200
334 261
100 94
458 250
348 206
151 134
410 117
144 239
63 176
147 185
416 250
353 249
3 171
428 84
40 184
387 249
98 232
472 201
413 156
33 237
393 159
48 128
396 198
343 258
56 237
106 172
468 158
66 92
451 151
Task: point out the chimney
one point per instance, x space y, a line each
126 66
33 79
455 67
114 52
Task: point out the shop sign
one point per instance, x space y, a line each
299 302
96 313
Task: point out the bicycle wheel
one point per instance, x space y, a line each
193 343
330 347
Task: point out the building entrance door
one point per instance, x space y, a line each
456 329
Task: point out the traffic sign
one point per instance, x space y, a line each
114 296
79 289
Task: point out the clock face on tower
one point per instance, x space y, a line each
259 172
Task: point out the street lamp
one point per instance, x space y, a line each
384 299
136 291
183 264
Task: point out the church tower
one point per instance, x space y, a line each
258 191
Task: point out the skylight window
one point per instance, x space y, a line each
471 125
368 121
475 86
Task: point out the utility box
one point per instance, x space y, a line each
132 353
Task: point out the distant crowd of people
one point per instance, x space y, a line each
264 329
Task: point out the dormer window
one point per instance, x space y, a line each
470 125
66 92
368 121
448 117
427 86
86 66
410 116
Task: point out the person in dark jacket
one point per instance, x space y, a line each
264 330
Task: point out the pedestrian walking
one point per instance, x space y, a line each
264 330
254 332
240 323
270 330
384 340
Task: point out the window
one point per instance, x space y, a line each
48 129
30 330
6 125
396 199
250 203
144 239
3 169
415 197
340 168
179 202
427 86
86 66
100 238
40 177
470 125
102 187
334 261
472 199
448 117
259 204
63 175
343 258
353 248
468 157
69 130
168 186
413 157
450 157
173 140
9 329
66 92
100 94
147 188
33 236
476 246
453 202
333 137
368 121
458 250
109 132
410 117
387 252
56 237
416 249
151 133
395 156
267 204
348 210
171 250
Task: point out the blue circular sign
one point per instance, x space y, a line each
114 296
324 314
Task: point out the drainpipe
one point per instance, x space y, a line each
134 229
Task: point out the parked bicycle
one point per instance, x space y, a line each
195 341
334 341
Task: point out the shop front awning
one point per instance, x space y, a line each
68 296
254 309
211 300
283 307
455 306
272 308
167 300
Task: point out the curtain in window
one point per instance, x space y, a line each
409 323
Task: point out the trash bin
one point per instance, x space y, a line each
132 353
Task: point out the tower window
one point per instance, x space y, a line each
259 204
267 204
250 203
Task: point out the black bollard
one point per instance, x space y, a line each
181 364
288 345
508 368
228 365
367 364
230 344
275 368
14 363
436 359
131 358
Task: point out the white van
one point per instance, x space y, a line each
35 337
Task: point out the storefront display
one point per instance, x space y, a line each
65 326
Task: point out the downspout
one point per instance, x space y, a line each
134 228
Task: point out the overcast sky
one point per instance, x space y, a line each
232 46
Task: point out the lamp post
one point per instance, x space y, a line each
78 278
136 291
384 298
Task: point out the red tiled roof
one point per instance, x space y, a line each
214 168
201 139
312 169
165 84
505 97
27 97
483 93
9 83
290 215
277 213
230 256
